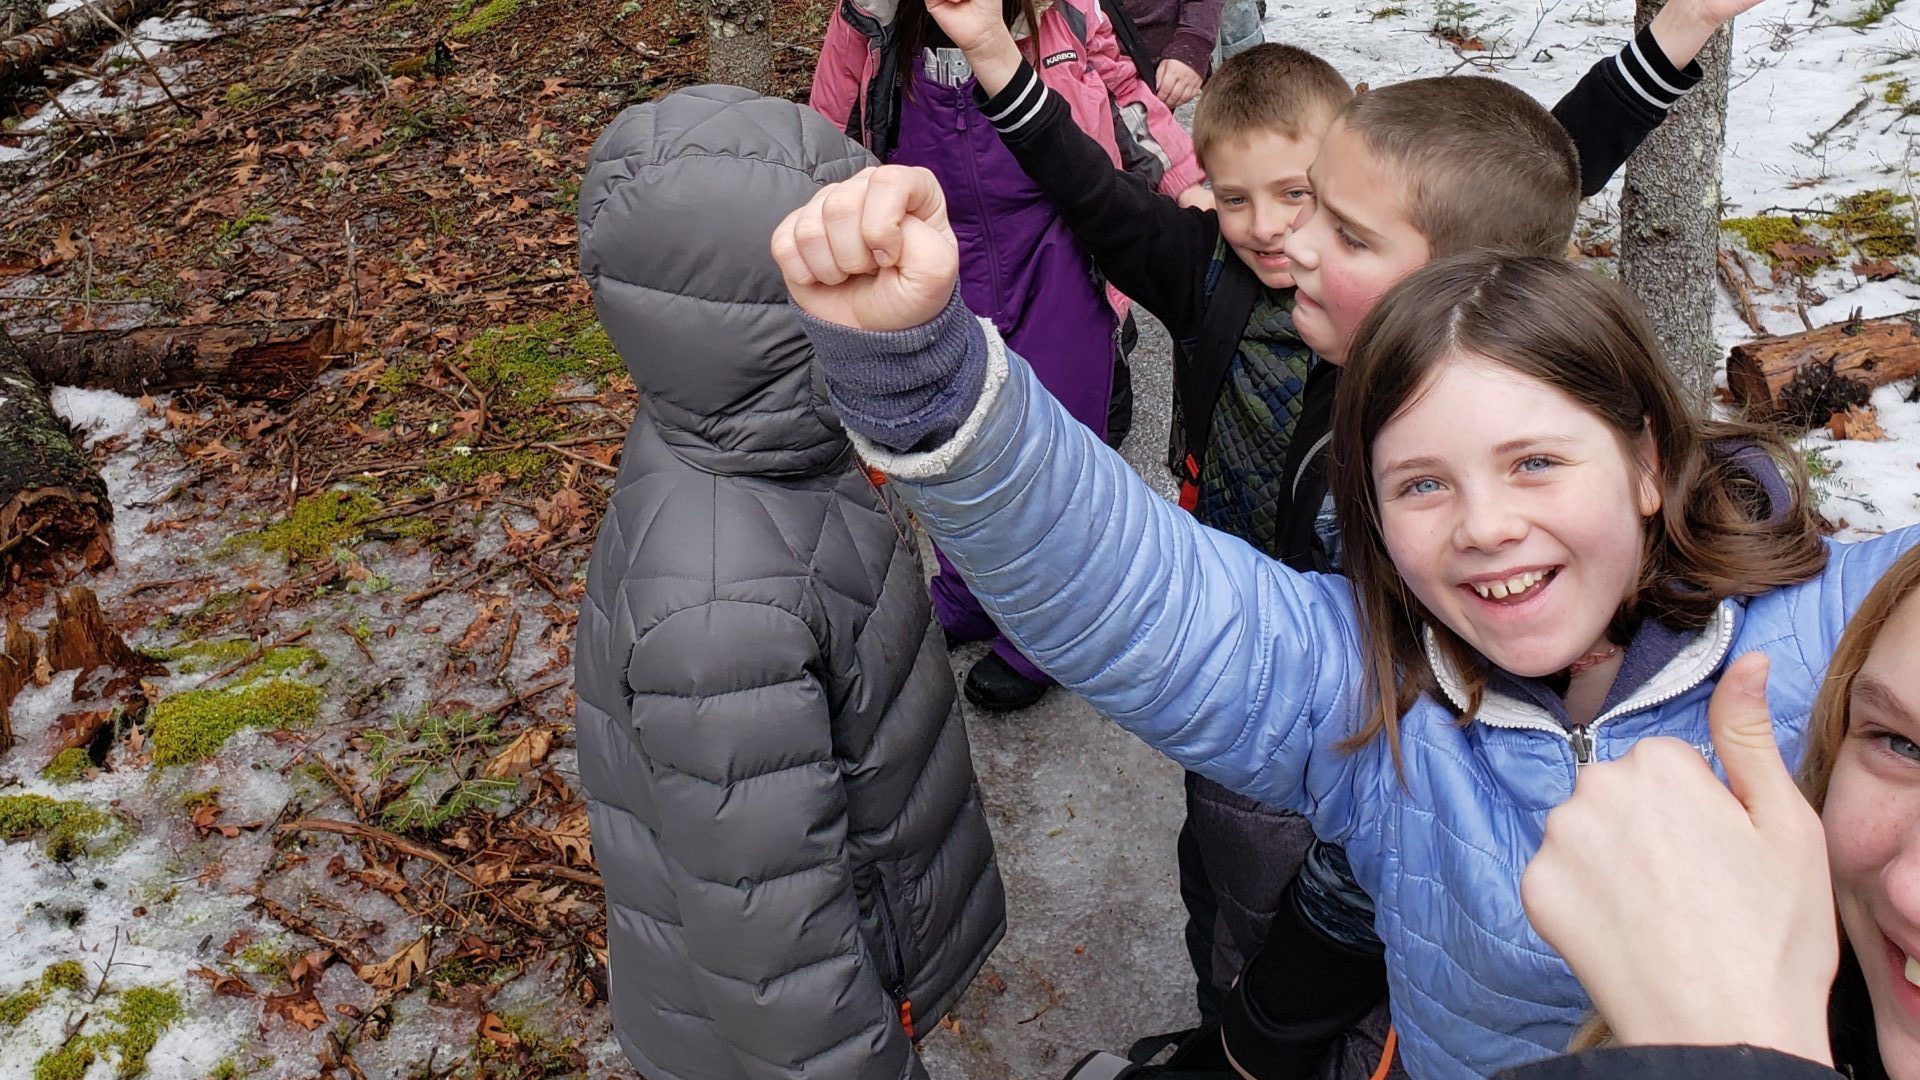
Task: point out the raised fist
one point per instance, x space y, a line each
873 252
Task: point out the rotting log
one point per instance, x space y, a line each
267 361
27 50
18 649
1872 352
51 500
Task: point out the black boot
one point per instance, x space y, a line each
995 686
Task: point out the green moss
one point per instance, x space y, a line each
64 975
522 363
17 1006
491 15
264 958
400 376
316 525
235 229
193 725
1871 224
518 466
68 1062
232 1069
288 659
1875 11
385 418
64 827
193 657
240 95
1762 232
67 766
537 1054
194 800
144 1013
1896 91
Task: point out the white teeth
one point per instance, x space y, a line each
1913 971
1513 586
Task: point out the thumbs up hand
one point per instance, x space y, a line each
1692 912
873 252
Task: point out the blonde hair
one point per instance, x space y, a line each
1269 87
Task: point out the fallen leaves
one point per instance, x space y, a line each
397 972
1860 423
527 749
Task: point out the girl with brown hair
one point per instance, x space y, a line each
1561 560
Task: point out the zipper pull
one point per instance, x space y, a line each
1582 740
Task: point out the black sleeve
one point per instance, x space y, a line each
1618 103
1149 246
1673 1063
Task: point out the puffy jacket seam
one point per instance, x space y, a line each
747 778
712 694
681 293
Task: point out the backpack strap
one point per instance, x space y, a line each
1135 46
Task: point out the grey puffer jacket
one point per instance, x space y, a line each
799 873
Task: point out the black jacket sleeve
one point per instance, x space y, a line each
1618 103
1150 247
1673 1063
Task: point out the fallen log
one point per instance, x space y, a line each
51 500
27 50
18 650
1794 376
268 361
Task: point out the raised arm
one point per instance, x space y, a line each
1621 99
1220 658
753 822
1153 145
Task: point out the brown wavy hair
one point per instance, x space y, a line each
1717 533
1831 707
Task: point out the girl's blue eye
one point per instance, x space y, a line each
1235 200
1299 195
1898 744
1536 463
1425 485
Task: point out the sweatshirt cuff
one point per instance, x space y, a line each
903 390
1651 75
1017 106
1191 49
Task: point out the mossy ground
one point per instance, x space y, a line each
65 975
65 828
126 1035
1876 224
522 364
67 766
193 725
477 22
317 525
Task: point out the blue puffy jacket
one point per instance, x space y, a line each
1249 673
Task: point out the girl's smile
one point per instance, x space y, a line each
1523 534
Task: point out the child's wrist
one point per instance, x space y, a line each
1681 29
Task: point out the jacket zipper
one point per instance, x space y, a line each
895 973
979 201
1581 737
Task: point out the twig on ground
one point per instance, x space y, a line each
258 652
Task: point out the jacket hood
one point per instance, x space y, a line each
679 202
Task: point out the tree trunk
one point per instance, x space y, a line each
22 53
51 500
740 43
1670 218
271 361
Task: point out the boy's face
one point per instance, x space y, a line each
1259 187
1352 242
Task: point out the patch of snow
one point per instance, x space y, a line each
102 414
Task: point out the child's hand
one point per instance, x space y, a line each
1682 27
1693 914
1197 195
972 24
1176 83
873 252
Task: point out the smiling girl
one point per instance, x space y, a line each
1555 560
1720 903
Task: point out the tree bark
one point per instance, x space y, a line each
1670 218
18 650
51 500
740 43
22 53
271 361
1872 352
